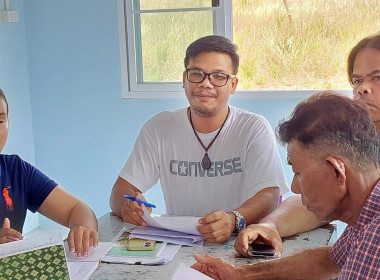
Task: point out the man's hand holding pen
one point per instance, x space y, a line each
132 211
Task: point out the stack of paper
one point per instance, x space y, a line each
172 229
163 253
169 236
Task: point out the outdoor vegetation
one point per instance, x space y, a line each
283 44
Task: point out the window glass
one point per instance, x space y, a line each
164 39
173 4
299 44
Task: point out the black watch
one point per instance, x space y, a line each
240 222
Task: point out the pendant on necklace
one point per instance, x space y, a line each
206 162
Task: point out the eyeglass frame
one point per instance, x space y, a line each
209 76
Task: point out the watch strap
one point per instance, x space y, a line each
238 217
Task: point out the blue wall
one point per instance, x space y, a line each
62 74
83 129
14 82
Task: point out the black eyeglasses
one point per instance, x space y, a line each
216 79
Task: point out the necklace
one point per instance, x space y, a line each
206 162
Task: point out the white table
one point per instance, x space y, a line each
110 225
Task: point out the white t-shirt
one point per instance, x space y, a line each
244 157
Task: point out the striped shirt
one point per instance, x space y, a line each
357 251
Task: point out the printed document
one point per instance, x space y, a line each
172 229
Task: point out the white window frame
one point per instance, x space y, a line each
222 22
222 26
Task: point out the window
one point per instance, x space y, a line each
287 47
299 44
156 35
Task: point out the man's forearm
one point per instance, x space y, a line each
260 205
117 200
308 264
292 217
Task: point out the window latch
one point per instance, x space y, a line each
215 3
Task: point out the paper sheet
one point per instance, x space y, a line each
179 230
29 244
177 223
94 254
83 268
165 235
185 272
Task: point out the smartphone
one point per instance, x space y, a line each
261 250
137 244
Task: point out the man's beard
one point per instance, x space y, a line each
204 112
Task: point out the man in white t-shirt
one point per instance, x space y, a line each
212 159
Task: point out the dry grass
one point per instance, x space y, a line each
308 53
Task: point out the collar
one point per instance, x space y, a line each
371 208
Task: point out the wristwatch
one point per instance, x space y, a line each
240 222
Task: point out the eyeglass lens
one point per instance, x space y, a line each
216 79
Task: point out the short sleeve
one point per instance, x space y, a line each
39 186
264 167
142 167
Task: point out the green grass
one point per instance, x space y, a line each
308 53
165 39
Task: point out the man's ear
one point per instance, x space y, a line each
235 82
339 169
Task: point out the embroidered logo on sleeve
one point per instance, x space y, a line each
7 198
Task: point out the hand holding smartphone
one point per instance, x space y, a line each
261 250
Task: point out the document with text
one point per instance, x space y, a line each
180 230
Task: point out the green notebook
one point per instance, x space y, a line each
31 259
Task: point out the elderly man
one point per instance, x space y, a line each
333 149
291 217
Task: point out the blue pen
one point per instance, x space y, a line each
140 201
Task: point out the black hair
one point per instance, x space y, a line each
331 123
2 95
213 43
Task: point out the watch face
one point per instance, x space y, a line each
241 224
